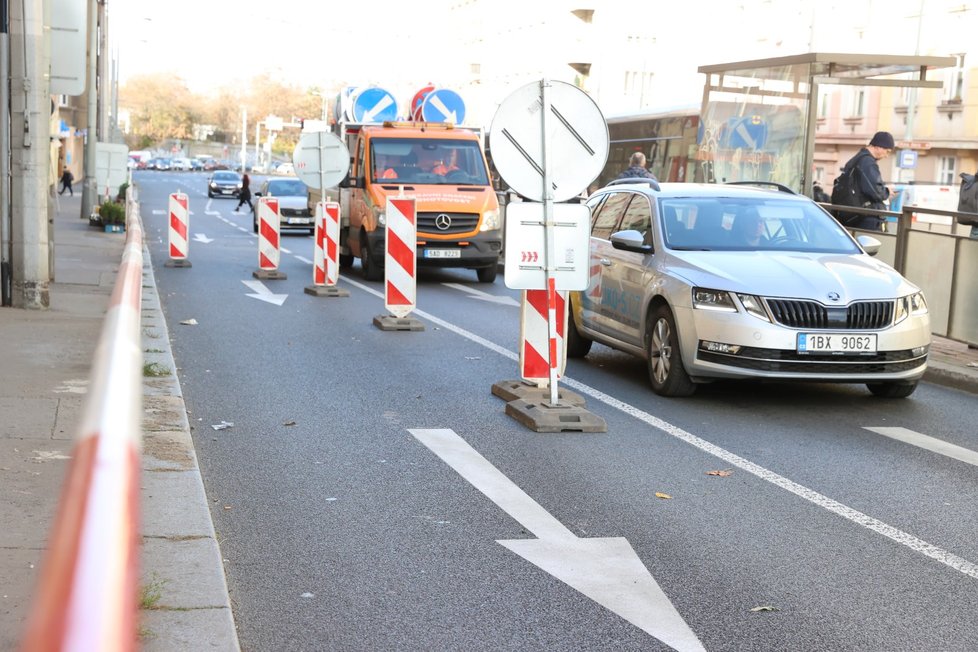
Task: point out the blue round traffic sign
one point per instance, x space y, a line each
374 105
443 105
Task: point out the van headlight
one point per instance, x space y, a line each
379 216
912 304
490 221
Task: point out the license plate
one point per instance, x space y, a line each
844 343
442 253
299 220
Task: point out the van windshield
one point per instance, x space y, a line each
434 162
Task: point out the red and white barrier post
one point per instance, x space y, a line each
541 350
326 267
179 231
268 240
400 265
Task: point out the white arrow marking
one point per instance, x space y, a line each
200 237
484 296
438 104
929 443
370 114
606 570
262 293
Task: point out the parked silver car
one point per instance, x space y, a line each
708 281
293 204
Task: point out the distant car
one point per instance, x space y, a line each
293 204
711 281
182 164
224 183
196 164
285 169
163 164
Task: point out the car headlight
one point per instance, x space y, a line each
913 304
490 221
706 299
754 306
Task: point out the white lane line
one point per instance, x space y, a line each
929 443
484 296
605 569
303 259
241 228
903 538
284 250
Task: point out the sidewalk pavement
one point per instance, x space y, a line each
45 358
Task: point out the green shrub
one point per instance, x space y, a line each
121 197
112 213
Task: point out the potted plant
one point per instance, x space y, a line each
113 217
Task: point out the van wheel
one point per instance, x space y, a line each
346 261
663 357
371 271
892 390
486 274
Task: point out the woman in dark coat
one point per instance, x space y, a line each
244 195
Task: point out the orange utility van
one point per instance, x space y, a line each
444 168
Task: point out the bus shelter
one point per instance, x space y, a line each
758 118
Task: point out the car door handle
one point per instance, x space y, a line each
605 262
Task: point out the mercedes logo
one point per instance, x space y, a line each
443 222
834 296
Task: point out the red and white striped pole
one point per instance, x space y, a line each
179 231
268 239
326 268
400 257
542 351
87 594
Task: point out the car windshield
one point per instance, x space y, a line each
438 162
225 176
287 188
751 224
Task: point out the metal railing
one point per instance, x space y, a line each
930 249
87 593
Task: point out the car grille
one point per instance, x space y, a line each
294 212
786 361
861 315
461 223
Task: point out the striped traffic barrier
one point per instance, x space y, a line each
87 592
179 231
541 349
325 270
400 264
268 239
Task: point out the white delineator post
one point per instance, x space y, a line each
400 257
268 239
539 350
179 231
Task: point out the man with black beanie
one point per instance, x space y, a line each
871 191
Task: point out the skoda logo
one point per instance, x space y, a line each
834 296
443 222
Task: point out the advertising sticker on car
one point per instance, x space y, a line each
840 343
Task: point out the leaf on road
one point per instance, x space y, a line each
189 322
290 422
722 474
223 425
659 494
766 607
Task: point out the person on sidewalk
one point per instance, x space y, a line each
871 192
244 195
636 168
66 178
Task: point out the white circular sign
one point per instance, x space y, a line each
576 134
320 159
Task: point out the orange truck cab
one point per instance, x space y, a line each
444 168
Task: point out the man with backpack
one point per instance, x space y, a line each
861 184
968 202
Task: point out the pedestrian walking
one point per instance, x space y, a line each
867 182
66 178
636 168
968 202
244 195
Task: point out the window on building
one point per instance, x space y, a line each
823 103
62 100
954 81
946 172
857 103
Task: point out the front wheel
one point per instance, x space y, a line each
578 346
665 362
346 261
892 390
486 274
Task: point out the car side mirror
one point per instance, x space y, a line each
630 240
351 182
869 244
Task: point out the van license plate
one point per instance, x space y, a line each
844 343
442 253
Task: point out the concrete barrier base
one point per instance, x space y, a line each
326 291
544 417
512 390
392 323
